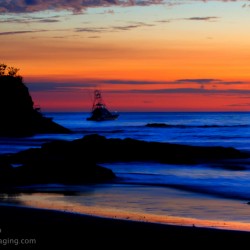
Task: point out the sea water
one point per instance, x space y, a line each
229 129
193 191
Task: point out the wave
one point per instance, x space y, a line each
89 131
164 125
216 191
221 137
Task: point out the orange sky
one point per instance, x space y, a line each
192 56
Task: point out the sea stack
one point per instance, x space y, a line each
18 116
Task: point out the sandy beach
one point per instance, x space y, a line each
47 228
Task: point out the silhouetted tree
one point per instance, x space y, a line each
12 71
2 69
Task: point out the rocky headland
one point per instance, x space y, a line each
19 117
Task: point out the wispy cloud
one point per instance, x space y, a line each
245 5
131 82
207 18
47 20
130 26
58 87
210 81
76 87
180 82
196 18
112 12
227 92
92 29
8 33
27 20
239 105
164 21
94 37
183 86
199 81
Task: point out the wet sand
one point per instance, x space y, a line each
59 229
112 213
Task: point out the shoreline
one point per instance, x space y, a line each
108 213
57 228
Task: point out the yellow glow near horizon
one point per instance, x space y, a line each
189 41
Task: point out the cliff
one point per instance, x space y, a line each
18 115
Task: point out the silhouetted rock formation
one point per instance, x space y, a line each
157 125
54 171
75 161
111 150
18 116
40 166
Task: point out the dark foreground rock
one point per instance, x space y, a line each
18 115
99 149
53 170
75 161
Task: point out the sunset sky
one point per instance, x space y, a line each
149 55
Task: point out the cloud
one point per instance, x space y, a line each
131 26
188 91
183 87
245 5
112 12
47 20
210 81
232 82
198 81
207 18
76 84
131 82
164 21
30 19
197 18
20 32
92 37
27 6
58 87
239 105
77 6
91 29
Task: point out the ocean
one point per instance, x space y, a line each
177 194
